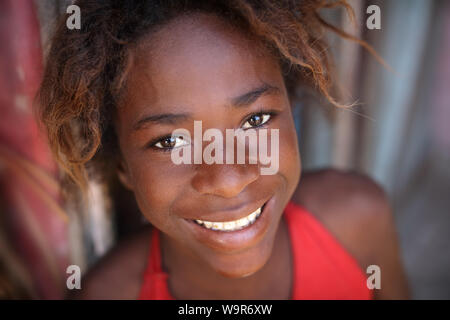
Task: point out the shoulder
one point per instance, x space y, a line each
346 203
356 210
119 274
338 187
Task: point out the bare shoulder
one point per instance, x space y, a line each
117 275
356 210
332 194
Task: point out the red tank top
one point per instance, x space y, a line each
322 269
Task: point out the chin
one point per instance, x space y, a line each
239 272
244 264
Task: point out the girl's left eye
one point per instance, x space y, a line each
257 120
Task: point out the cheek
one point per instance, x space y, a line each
290 163
157 186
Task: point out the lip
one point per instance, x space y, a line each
232 214
234 241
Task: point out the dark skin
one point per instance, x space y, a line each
198 66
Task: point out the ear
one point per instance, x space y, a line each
124 175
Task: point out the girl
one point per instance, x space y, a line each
115 91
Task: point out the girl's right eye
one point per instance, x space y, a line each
169 143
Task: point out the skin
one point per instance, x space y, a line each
196 64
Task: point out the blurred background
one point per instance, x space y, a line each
398 134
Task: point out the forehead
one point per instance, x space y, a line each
195 61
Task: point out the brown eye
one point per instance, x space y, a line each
170 142
256 120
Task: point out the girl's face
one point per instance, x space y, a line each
197 67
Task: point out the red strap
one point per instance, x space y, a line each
155 253
155 285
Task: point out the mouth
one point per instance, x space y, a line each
234 225
234 236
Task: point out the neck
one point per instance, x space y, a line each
191 278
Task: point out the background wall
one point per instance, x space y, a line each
399 134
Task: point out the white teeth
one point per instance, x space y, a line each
207 224
242 222
231 225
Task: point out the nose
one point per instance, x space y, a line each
224 180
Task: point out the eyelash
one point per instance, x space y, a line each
262 112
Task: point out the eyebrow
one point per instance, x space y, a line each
243 100
164 118
250 97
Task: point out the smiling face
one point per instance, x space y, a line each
197 67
